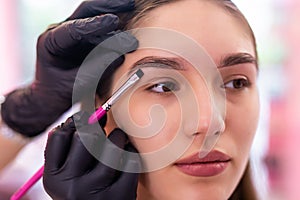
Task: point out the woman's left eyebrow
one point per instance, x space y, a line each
159 62
237 58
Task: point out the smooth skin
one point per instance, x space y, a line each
7 156
221 35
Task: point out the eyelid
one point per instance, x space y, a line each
160 81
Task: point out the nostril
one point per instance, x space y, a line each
196 133
217 133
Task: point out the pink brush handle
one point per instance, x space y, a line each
97 115
22 190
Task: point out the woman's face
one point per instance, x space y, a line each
224 38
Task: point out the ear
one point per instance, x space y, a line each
98 101
110 124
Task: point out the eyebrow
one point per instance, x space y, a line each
176 64
237 58
159 62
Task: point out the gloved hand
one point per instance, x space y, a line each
60 51
72 173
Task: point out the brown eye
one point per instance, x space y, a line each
163 87
237 83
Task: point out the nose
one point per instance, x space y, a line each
204 113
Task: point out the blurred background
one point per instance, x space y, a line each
275 154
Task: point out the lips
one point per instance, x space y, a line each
212 164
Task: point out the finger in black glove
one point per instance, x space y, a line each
60 51
73 173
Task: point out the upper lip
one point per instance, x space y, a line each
213 156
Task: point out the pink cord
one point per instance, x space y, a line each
22 190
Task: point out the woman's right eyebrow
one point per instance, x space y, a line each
159 62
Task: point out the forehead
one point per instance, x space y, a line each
212 27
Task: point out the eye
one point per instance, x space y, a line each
164 87
238 83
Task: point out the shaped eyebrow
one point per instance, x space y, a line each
237 58
176 64
159 62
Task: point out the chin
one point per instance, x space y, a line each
200 191
205 193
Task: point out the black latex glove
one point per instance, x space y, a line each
72 173
60 52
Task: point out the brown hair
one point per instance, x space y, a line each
245 189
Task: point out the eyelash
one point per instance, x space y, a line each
242 83
166 87
169 87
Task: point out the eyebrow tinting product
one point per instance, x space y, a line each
93 118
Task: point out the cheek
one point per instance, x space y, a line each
241 122
159 118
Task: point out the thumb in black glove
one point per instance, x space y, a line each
71 172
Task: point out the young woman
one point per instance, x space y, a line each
225 36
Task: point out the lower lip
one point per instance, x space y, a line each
203 169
